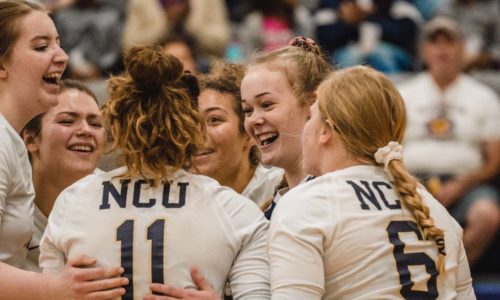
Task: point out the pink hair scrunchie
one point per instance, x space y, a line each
386 154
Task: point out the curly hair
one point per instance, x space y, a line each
151 115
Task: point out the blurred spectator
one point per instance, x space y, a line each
206 20
452 139
480 22
184 48
427 8
380 33
90 33
272 23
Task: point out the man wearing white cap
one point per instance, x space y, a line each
452 137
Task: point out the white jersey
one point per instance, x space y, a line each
39 224
156 235
344 235
473 111
263 184
16 196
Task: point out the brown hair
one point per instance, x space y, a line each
304 68
151 116
11 12
225 78
367 112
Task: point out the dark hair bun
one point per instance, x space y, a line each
151 68
190 82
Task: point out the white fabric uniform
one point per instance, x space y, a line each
39 225
263 184
16 196
206 225
474 110
326 243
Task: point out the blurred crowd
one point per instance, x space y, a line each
380 33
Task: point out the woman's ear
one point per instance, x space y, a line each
326 134
3 72
30 140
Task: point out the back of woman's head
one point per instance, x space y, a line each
302 63
151 115
367 112
365 109
11 12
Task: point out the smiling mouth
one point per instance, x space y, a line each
204 151
267 138
82 148
52 78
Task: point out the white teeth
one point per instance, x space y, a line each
55 76
265 138
82 148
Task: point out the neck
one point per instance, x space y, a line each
444 79
239 179
10 113
295 174
48 187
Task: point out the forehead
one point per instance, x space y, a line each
260 79
75 101
210 98
36 24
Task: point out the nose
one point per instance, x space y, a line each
254 119
61 58
84 129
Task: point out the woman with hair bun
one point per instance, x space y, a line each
152 216
366 227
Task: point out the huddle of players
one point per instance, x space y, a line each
362 228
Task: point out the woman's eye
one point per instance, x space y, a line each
213 120
247 111
66 122
41 48
266 105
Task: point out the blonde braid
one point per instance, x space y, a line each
406 185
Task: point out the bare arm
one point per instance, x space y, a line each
76 281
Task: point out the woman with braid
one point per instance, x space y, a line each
364 228
152 216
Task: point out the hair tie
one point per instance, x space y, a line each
305 43
386 154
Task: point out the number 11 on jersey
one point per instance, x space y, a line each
155 234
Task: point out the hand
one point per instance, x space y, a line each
205 290
80 280
450 192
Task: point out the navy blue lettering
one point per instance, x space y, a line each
182 195
377 185
137 195
120 197
364 193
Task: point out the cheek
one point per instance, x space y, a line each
100 138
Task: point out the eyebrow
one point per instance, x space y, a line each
258 96
213 109
43 37
74 114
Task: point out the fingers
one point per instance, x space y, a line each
103 285
176 293
81 261
109 294
88 274
200 280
